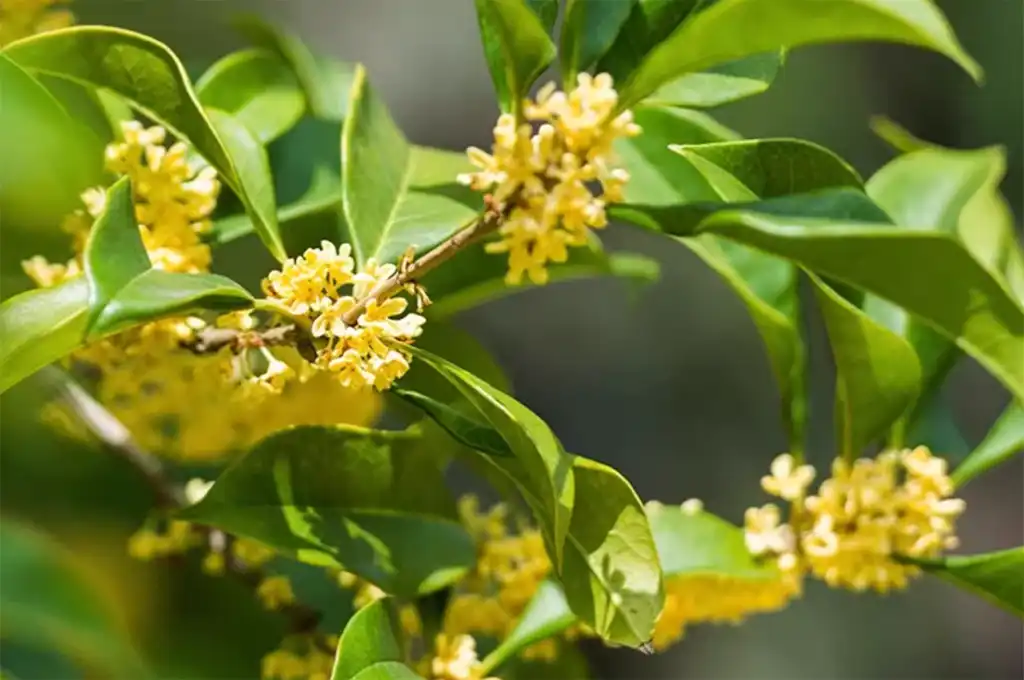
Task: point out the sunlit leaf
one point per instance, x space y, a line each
371 636
997 577
722 84
388 670
516 45
547 615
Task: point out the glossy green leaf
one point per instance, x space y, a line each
257 89
388 670
41 326
474 277
1004 440
516 44
539 467
152 79
325 82
649 23
722 84
997 577
547 615
588 30
699 543
374 503
733 29
462 426
776 167
48 602
35 190
370 637
611 575
878 375
395 195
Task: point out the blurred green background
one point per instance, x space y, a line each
671 387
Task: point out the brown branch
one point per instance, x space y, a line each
211 340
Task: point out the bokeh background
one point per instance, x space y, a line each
670 386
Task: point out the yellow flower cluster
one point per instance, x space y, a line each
365 354
546 175
455 659
178 537
866 516
301 657
22 18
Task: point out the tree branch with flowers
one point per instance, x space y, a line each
286 389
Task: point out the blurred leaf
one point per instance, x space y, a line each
1004 440
776 167
611 575
649 23
896 136
395 195
36 190
41 326
733 29
928 274
49 603
722 84
370 637
516 45
588 30
539 467
257 89
448 341
374 503
325 82
388 670
997 576
474 277
878 375
935 428
569 664
546 616
700 543
151 77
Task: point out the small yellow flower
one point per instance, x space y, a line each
455 659
214 563
275 592
788 480
46 274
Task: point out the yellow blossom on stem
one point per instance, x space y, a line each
787 480
455 659
301 657
22 18
275 592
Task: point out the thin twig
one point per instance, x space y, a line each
212 340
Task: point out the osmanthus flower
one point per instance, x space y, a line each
22 18
301 657
455 658
322 284
275 592
553 183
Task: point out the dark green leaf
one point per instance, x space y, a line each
934 426
878 375
258 89
374 503
588 30
463 427
539 466
325 82
997 577
50 603
569 664
39 327
371 636
722 84
546 616
649 23
151 78
611 574
732 29
388 670
517 46
772 168
395 195
1004 440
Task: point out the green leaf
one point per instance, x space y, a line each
722 84
371 636
733 29
997 576
374 503
462 426
325 82
1004 440
539 467
934 426
39 327
611 574
546 616
36 190
517 47
569 664
152 79
588 30
878 375
776 167
257 89
700 543
388 670
648 24
50 603
395 195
